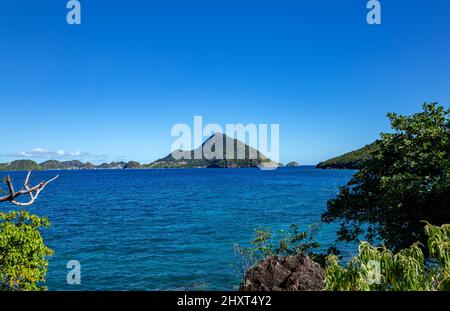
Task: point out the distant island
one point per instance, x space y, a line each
170 161
29 165
188 161
351 160
292 164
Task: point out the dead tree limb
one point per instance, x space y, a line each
32 191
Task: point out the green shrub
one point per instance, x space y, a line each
23 263
406 181
290 243
407 270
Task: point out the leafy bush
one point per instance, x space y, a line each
406 181
406 270
23 263
292 242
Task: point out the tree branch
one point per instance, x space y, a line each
33 191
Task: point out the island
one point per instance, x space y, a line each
251 158
351 160
188 159
292 164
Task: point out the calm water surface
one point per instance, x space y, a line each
172 229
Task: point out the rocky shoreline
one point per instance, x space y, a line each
291 273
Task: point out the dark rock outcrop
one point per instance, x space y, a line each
292 164
133 165
112 165
292 273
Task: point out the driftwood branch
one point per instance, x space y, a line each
32 191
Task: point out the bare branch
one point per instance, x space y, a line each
27 181
9 184
32 191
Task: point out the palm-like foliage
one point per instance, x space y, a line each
407 270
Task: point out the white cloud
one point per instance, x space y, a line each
44 153
36 152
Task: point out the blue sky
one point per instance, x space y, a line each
113 87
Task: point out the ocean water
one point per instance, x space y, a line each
172 229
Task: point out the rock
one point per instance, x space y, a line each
292 273
132 165
292 164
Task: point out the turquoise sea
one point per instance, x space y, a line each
172 229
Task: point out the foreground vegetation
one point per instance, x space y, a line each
291 242
405 182
373 269
377 268
23 262
402 182
23 253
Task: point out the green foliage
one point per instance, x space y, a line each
406 270
296 242
439 249
292 242
20 165
23 263
351 160
406 181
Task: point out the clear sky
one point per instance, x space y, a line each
113 87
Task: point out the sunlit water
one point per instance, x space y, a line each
172 229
